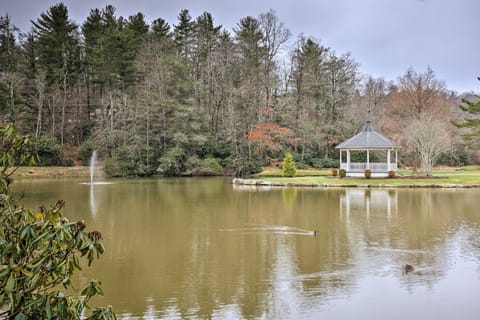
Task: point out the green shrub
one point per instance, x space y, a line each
41 250
334 172
325 163
122 163
457 157
48 151
301 162
288 167
85 151
392 174
301 165
342 173
242 167
68 162
368 174
210 167
173 162
203 167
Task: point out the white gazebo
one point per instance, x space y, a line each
366 141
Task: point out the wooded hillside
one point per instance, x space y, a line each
193 98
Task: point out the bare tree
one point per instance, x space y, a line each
427 137
419 91
275 36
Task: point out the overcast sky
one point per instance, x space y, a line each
385 37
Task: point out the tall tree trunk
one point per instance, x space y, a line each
62 122
40 86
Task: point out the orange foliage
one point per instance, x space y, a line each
269 136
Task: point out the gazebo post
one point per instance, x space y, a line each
348 160
368 159
388 160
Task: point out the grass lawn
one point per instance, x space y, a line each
50 172
470 176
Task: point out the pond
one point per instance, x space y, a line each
203 248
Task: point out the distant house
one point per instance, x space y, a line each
364 145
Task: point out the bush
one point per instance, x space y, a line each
301 162
242 167
334 172
368 174
301 166
392 174
40 251
85 151
342 173
288 167
210 167
203 167
48 151
457 157
325 163
122 163
68 162
173 162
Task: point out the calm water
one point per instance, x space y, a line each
202 248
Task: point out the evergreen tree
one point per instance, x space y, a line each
472 122
11 80
160 29
57 45
308 89
248 79
288 168
8 45
183 33
249 38
57 41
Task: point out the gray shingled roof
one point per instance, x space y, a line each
368 138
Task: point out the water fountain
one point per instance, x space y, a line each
92 183
92 168
93 160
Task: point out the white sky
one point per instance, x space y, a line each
385 37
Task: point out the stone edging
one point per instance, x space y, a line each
263 183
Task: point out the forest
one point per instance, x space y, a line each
192 98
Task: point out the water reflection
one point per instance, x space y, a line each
93 205
197 248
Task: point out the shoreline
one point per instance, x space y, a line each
56 172
312 182
265 183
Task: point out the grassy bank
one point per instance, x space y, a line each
51 172
463 177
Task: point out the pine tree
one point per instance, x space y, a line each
160 29
471 123
248 78
10 78
288 169
57 43
183 33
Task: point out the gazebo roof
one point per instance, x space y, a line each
368 138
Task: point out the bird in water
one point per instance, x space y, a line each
408 268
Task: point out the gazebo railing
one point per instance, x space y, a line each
374 167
